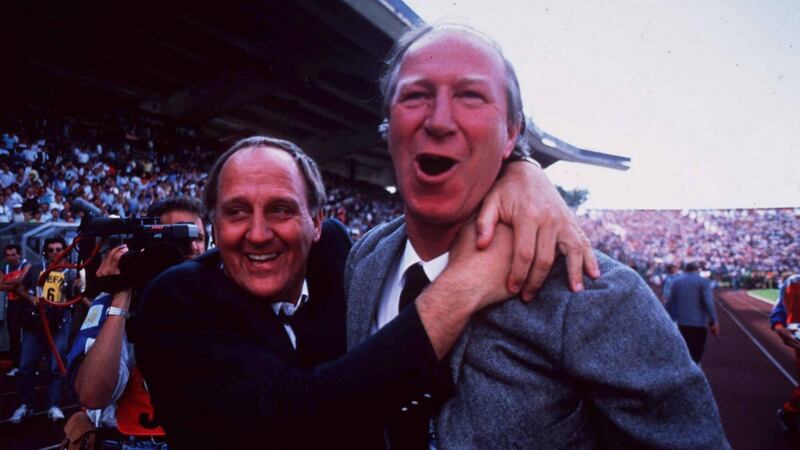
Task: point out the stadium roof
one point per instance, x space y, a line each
550 149
304 70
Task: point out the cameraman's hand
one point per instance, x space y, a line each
110 266
787 337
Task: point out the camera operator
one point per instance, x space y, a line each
102 368
57 288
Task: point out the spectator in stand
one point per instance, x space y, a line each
58 202
29 155
17 216
14 196
6 176
5 211
31 203
691 306
10 140
785 313
44 213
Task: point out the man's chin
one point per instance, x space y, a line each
263 293
435 215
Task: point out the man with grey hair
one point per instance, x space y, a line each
596 367
244 343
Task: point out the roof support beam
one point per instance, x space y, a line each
328 114
347 98
277 117
335 146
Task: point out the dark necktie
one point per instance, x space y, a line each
416 281
409 429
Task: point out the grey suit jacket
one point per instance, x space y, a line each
601 368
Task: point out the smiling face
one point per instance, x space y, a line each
262 225
448 127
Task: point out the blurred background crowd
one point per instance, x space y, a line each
56 168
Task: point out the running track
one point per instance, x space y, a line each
750 371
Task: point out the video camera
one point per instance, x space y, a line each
152 248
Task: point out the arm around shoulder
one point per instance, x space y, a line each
187 346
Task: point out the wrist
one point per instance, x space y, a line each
121 299
459 291
120 312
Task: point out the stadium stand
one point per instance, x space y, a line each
57 167
744 247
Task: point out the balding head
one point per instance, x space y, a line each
388 78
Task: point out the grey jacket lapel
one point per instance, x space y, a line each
368 279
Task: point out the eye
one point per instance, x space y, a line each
283 211
414 97
472 96
234 212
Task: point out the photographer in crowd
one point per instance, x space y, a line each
102 366
57 288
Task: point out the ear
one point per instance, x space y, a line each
213 235
317 218
511 139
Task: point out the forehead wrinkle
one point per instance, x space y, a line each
424 80
284 197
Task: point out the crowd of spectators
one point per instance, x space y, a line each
60 168
744 247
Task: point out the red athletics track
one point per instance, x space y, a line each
750 371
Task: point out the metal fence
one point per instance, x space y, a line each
31 236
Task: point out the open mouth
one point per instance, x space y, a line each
259 258
435 165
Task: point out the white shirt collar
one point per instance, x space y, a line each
432 268
390 296
289 309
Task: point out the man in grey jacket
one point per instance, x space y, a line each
599 366
691 305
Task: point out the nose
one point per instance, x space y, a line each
259 230
439 123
